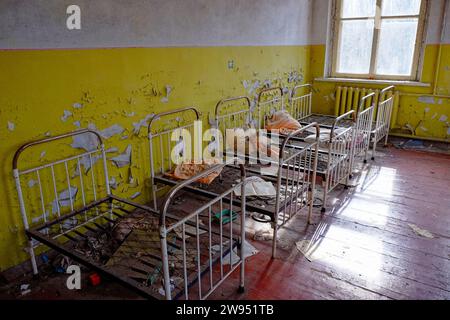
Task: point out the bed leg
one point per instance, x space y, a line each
165 265
243 213
311 205
325 194
33 259
374 148
386 140
275 234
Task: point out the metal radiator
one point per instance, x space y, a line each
347 99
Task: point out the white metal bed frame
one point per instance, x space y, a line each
342 147
99 212
301 108
382 124
296 185
301 163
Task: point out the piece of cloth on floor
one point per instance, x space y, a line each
256 186
249 251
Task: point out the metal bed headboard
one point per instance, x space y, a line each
265 108
181 223
226 117
301 106
161 146
53 178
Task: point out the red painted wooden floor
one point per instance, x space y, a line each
365 248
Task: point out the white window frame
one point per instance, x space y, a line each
418 52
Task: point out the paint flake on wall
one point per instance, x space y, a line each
142 123
11 126
64 198
111 131
67 114
124 159
168 92
425 99
85 141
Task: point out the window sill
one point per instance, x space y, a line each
375 82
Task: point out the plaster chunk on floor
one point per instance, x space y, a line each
421 232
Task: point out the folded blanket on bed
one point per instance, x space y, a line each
282 121
187 170
250 142
324 137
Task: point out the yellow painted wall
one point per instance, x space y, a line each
429 117
37 86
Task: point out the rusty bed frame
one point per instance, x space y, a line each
336 153
298 187
157 254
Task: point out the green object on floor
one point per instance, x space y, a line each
225 215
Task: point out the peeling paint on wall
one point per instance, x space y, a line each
11 126
124 159
111 131
168 92
67 114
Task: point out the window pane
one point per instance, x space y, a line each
355 46
400 7
396 46
358 8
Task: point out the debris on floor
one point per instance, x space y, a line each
263 235
310 250
256 186
421 232
250 250
421 145
25 289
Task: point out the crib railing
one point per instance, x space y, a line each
209 278
269 101
301 106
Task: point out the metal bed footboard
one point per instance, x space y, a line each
214 280
46 181
383 118
340 157
296 178
363 131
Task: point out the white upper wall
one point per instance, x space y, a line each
320 18
38 24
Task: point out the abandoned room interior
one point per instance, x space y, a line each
225 150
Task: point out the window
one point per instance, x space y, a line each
378 39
